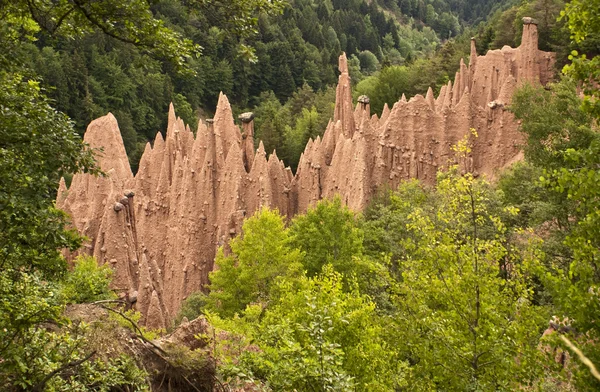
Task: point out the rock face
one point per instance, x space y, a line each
160 229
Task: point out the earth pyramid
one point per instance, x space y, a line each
159 230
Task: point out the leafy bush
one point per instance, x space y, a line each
87 282
115 374
192 307
465 301
327 234
43 350
315 337
258 259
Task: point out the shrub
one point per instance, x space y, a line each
87 282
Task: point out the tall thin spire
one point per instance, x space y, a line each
344 111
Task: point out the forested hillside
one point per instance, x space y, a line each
88 76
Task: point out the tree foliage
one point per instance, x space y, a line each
41 349
318 336
566 154
257 260
38 147
87 282
384 220
327 234
584 25
465 300
413 77
287 127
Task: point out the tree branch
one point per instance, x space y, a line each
62 19
39 387
159 351
104 29
109 301
586 361
140 333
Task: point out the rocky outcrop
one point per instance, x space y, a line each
160 229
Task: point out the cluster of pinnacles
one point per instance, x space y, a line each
159 230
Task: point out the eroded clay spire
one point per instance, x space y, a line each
430 99
104 133
528 64
473 56
344 110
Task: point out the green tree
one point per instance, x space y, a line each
327 234
553 123
38 147
26 302
368 62
466 317
270 123
520 187
87 282
387 86
318 336
354 69
184 110
130 22
563 143
384 220
573 178
584 24
258 258
306 127
41 349
134 23
191 308
574 285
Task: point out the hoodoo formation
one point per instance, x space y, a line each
160 229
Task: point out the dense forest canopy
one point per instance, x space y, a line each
289 55
449 287
91 74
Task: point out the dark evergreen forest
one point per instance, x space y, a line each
290 51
